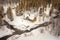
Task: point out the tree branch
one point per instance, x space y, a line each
17 31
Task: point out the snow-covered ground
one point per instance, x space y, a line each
34 35
19 23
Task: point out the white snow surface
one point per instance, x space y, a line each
21 24
34 35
